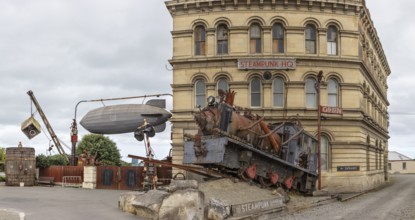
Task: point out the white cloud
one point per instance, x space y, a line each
67 51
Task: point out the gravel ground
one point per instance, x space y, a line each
235 192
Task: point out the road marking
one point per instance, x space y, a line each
21 215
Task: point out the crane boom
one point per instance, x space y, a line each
48 126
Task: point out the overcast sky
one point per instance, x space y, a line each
67 51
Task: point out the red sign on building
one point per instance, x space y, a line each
331 110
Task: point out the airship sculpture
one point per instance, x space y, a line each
126 118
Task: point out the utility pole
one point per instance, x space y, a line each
319 78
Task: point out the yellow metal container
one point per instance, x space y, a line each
31 127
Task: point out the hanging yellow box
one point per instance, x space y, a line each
31 127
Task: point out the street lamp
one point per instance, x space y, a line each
319 78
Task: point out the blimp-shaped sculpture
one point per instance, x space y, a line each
126 118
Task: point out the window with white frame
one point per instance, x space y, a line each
278 92
255 87
333 93
332 36
311 94
310 39
255 36
200 93
222 84
325 149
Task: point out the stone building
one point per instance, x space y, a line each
270 52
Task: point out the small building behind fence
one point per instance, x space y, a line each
400 164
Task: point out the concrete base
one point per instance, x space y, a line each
90 177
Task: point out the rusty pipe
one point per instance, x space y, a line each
271 138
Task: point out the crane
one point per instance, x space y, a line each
48 126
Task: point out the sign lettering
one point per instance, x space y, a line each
267 64
331 110
348 168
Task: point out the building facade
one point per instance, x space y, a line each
270 53
400 164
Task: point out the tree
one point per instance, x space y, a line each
103 148
2 154
2 158
43 161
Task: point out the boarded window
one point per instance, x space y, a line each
278 92
311 94
277 38
332 40
200 93
222 39
255 92
200 41
107 177
255 38
131 178
310 39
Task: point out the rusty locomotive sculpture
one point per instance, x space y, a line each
280 154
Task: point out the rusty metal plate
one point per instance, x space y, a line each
215 151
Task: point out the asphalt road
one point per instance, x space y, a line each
57 203
394 201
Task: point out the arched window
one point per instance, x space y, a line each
311 94
325 149
278 92
222 39
310 39
333 93
255 92
222 84
277 38
200 93
200 40
332 40
255 33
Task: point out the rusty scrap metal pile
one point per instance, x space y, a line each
230 144
280 154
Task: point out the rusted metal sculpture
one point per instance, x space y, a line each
245 145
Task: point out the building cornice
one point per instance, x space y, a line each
197 6
370 29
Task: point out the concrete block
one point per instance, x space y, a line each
89 185
142 204
183 204
218 210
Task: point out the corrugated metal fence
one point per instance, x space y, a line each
109 177
58 172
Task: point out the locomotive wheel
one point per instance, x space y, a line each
265 182
242 175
